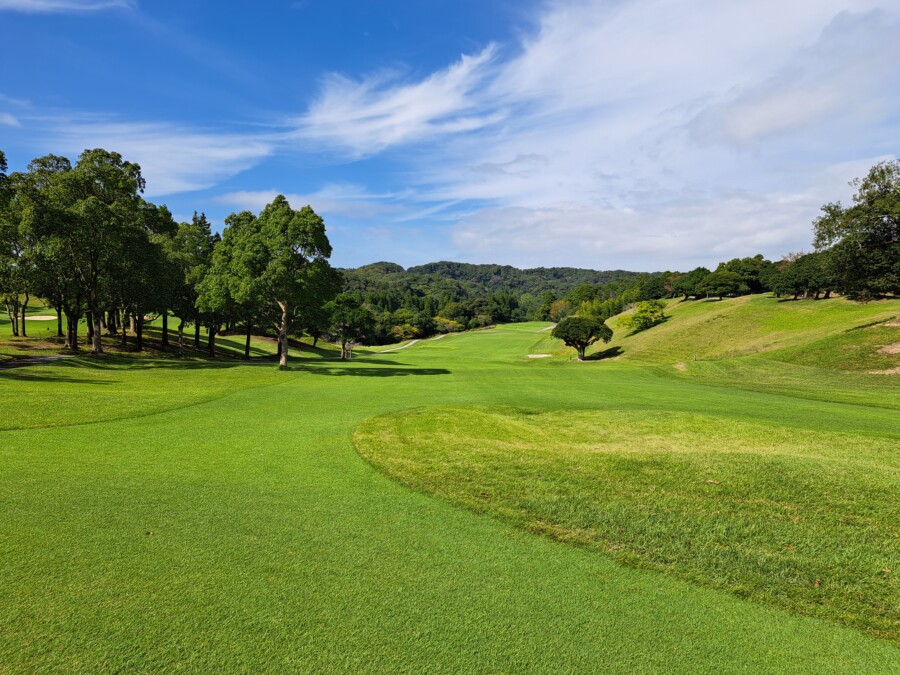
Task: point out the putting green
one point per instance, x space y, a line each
235 527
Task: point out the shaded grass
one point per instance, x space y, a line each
799 519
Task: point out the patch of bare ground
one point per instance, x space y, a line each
889 371
890 349
681 365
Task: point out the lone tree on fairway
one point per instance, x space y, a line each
580 332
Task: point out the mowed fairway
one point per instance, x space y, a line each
239 530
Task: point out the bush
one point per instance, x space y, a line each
646 315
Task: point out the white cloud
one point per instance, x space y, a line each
661 131
9 120
51 6
366 116
172 158
346 200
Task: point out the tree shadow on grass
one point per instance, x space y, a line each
608 353
40 376
366 371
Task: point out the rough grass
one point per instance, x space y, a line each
796 518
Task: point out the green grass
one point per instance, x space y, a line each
214 516
797 518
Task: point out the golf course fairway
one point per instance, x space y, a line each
217 517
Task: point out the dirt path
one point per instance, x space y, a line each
397 349
544 330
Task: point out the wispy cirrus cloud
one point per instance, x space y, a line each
173 158
9 120
362 117
334 199
686 130
63 6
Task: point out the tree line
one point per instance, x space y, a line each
82 238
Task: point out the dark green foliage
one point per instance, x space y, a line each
722 282
350 322
863 240
689 284
580 332
752 272
809 275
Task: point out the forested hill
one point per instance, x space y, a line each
480 278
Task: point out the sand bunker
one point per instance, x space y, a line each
539 356
42 317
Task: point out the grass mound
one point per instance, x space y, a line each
747 325
797 518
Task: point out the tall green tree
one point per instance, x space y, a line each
297 272
101 200
863 240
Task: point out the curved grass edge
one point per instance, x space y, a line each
881 623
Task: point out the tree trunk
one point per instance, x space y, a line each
211 341
89 339
283 335
97 345
247 343
72 331
197 332
140 331
124 330
132 324
827 295
165 328
59 330
24 305
13 312
181 338
581 353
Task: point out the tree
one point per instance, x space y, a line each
646 314
233 285
720 282
863 240
581 332
100 199
296 273
688 284
350 322
560 309
189 253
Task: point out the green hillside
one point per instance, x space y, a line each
759 342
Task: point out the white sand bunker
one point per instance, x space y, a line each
539 356
42 317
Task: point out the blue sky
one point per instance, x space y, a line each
636 134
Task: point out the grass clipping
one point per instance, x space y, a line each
799 519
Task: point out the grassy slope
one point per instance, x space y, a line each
243 531
757 342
